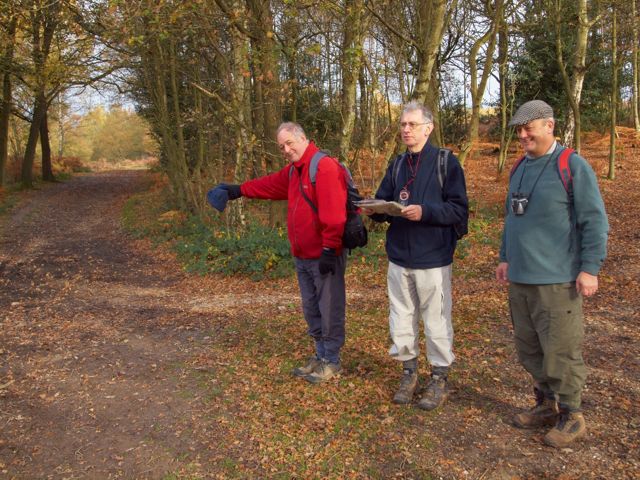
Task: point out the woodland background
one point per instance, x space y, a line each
212 79
116 361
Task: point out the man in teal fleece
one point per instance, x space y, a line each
553 245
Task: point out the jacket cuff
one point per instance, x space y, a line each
591 267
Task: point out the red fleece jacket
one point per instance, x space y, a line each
308 232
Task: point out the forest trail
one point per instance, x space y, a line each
95 332
114 363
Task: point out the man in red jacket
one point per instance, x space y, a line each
315 238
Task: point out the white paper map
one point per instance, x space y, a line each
381 206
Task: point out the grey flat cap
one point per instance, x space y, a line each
531 110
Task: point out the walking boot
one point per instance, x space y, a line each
408 382
437 390
544 413
303 370
569 428
323 372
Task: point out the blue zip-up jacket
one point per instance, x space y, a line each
431 242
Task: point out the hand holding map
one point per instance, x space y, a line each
381 206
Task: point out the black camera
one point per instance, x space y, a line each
519 203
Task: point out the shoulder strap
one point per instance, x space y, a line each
516 165
313 165
397 163
443 158
313 172
565 170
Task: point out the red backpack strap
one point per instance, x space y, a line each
565 170
516 165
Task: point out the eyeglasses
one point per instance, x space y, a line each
411 125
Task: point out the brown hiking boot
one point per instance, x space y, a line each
323 372
435 394
408 384
570 427
311 365
544 413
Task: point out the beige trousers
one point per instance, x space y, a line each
420 293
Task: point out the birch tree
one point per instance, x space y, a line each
614 91
495 13
634 65
572 78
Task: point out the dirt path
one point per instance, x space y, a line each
115 364
94 336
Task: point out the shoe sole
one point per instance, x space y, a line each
429 408
551 443
524 426
316 380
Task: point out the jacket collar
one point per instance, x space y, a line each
426 151
306 156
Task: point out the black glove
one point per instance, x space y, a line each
328 261
221 194
233 189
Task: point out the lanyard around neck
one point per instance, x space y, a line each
524 170
413 171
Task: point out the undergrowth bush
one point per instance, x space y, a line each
257 250
204 246
207 246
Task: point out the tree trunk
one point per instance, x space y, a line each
506 98
155 63
45 147
265 60
353 36
201 127
39 109
573 85
372 109
433 17
240 106
634 62
44 22
478 88
614 92
293 85
5 106
365 98
433 103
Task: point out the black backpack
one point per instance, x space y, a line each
461 228
355 233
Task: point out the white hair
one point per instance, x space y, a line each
291 127
414 106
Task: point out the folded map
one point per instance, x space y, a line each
380 206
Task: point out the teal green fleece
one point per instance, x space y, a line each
553 242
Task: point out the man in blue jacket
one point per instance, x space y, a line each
420 246
553 245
